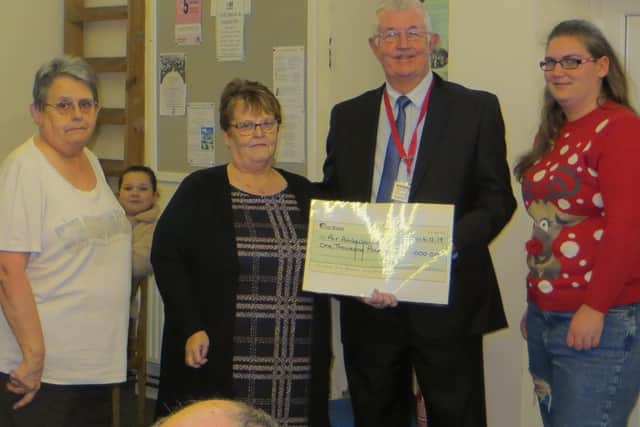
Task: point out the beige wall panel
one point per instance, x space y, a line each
31 34
105 39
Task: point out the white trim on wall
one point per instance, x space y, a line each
632 55
312 89
151 73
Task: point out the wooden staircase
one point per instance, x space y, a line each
131 115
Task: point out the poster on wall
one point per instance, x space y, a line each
188 27
200 134
246 4
439 13
230 30
173 84
288 85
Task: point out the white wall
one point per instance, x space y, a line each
632 47
502 59
611 17
31 34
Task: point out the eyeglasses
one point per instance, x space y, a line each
393 36
64 108
248 128
567 63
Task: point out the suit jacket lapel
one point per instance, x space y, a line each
432 139
366 144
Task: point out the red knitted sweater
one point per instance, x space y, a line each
585 204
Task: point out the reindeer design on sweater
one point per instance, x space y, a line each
549 221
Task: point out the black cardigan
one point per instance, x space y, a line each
195 263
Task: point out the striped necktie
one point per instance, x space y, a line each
392 156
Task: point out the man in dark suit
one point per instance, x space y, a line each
459 151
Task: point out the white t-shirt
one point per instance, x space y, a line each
79 268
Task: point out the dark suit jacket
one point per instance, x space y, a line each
196 267
462 161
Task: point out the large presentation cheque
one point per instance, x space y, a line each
401 248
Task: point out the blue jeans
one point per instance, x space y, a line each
588 388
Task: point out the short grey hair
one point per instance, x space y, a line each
242 414
397 5
248 416
66 66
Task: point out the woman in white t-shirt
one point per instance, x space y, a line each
65 257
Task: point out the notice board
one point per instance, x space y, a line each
269 24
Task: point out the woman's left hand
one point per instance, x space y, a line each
585 328
25 380
196 350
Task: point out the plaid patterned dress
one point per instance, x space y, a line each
272 338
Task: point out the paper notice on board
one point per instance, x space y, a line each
288 75
291 137
173 84
188 27
230 30
288 86
200 132
246 8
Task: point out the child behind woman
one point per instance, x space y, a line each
138 193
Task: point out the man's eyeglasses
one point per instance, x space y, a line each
393 36
64 108
247 128
567 63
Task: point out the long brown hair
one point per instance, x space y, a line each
552 118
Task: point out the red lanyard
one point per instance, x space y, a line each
408 158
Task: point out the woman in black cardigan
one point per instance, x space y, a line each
228 256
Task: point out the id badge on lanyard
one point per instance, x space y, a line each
400 191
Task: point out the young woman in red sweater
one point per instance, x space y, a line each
578 185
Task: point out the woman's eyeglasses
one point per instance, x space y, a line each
248 128
567 63
85 106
